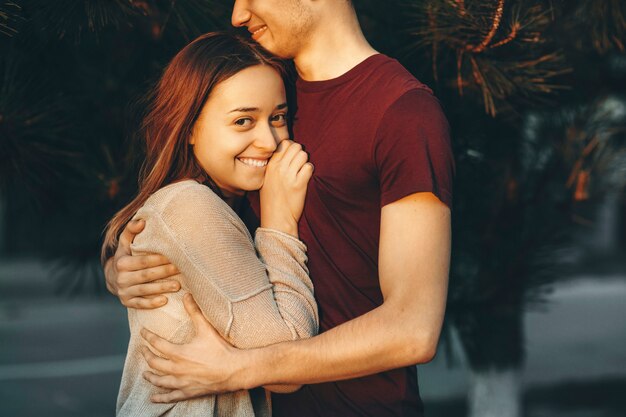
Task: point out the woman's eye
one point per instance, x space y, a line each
243 122
278 119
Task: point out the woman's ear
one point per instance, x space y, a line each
192 136
194 132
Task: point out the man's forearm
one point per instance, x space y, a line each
413 268
380 340
414 261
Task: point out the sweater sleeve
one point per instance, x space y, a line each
252 301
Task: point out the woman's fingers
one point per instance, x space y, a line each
306 172
298 161
278 154
292 157
291 152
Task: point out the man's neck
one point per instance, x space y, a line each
336 47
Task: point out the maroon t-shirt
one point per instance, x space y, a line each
374 135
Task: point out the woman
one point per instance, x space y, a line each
218 115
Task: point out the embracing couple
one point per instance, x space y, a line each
364 261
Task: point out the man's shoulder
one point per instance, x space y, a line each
387 80
391 75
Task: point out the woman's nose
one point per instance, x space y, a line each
267 139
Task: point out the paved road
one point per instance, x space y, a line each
61 357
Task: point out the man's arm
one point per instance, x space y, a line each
131 278
414 262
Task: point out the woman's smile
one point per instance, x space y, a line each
254 162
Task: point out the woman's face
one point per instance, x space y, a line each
239 128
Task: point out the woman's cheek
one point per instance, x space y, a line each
284 133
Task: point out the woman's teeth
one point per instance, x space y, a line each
254 162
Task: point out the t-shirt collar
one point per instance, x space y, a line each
355 72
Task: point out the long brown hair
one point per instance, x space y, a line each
177 101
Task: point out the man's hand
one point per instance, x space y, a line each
414 261
131 277
198 368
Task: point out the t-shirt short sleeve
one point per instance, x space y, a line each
412 149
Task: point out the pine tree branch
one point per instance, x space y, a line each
496 49
495 24
9 18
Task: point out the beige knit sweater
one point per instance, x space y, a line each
253 296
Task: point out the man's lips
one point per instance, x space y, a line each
257 31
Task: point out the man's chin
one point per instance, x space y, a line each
275 50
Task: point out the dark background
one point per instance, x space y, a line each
534 92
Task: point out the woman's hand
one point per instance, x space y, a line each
282 195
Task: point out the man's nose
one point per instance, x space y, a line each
241 15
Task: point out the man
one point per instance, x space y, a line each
376 223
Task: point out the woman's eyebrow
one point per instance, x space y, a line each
255 109
245 110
